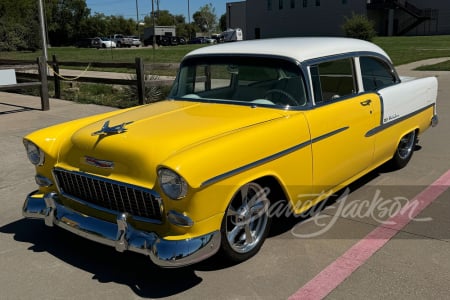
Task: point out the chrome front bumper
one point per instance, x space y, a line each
121 235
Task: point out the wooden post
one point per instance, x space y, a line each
42 67
140 80
56 78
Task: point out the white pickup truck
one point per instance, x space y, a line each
122 41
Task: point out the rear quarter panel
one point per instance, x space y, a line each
407 106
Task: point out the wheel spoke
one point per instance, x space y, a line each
248 234
232 212
257 208
244 194
233 233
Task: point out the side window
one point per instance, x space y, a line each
333 79
376 74
208 77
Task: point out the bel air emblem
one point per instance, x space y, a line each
99 163
111 130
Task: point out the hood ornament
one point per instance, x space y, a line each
111 130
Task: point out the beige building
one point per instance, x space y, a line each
275 18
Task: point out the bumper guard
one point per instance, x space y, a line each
121 235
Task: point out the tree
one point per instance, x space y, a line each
206 19
64 19
223 22
359 27
19 25
96 25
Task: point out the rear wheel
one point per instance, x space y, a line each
246 223
404 150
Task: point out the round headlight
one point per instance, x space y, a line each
172 184
35 155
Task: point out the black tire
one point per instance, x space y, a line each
246 223
404 151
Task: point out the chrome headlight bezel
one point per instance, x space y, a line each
172 184
34 153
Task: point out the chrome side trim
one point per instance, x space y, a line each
121 235
255 164
396 121
329 134
271 157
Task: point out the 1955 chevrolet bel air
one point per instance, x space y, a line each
246 124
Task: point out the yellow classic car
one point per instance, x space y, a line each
246 126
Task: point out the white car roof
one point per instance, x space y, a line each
298 48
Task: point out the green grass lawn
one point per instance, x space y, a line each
159 55
404 50
401 50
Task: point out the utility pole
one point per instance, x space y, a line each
43 30
189 20
137 14
154 25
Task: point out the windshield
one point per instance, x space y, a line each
253 80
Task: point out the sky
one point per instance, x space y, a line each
127 8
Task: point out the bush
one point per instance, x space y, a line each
359 27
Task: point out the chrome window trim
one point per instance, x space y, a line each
354 56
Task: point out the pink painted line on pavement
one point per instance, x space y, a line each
335 273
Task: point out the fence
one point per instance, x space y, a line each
23 71
42 82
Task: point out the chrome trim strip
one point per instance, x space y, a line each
254 164
121 235
327 135
396 121
271 157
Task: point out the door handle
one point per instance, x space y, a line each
366 102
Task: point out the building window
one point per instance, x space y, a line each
317 2
280 4
305 3
292 3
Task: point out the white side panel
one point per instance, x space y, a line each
408 97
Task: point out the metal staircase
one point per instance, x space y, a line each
416 15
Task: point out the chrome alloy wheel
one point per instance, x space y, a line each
406 145
247 219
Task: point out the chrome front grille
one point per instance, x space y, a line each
108 194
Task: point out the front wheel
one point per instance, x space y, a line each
404 150
246 223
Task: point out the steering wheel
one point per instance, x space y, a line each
291 99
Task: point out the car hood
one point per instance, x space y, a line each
153 133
